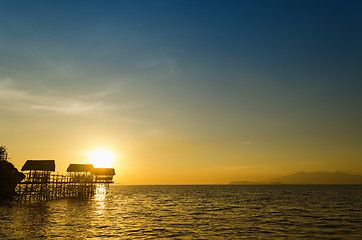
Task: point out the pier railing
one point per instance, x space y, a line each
41 186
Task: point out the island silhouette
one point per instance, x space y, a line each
301 177
9 176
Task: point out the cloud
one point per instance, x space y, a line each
17 99
13 98
162 63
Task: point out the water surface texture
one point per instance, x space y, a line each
193 212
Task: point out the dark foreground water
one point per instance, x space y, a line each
193 212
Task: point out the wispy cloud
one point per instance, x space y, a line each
14 98
161 62
247 142
18 99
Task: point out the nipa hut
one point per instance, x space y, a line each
38 170
104 175
80 172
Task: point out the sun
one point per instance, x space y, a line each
101 158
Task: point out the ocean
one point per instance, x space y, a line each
193 212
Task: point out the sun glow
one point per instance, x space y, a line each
101 158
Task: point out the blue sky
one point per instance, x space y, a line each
232 89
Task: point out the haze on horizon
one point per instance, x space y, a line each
184 92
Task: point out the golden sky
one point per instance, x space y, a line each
183 92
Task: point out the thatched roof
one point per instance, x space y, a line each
103 171
80 168
45 165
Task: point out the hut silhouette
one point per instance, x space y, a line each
38 170
86 168
104 175
80 172
37 182
37 178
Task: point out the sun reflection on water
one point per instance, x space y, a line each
100 193
100 198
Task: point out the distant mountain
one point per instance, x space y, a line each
310 178
247 183
319 178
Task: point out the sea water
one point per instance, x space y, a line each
193 212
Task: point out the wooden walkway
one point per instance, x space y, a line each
39 186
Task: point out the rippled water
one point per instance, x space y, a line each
193 212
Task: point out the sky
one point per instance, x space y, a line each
182 91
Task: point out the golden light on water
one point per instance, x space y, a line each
100 193
99 198
101 158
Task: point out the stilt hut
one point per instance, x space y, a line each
80 172
37 177
38 170
81 180
103 175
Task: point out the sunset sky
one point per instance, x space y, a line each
184 92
